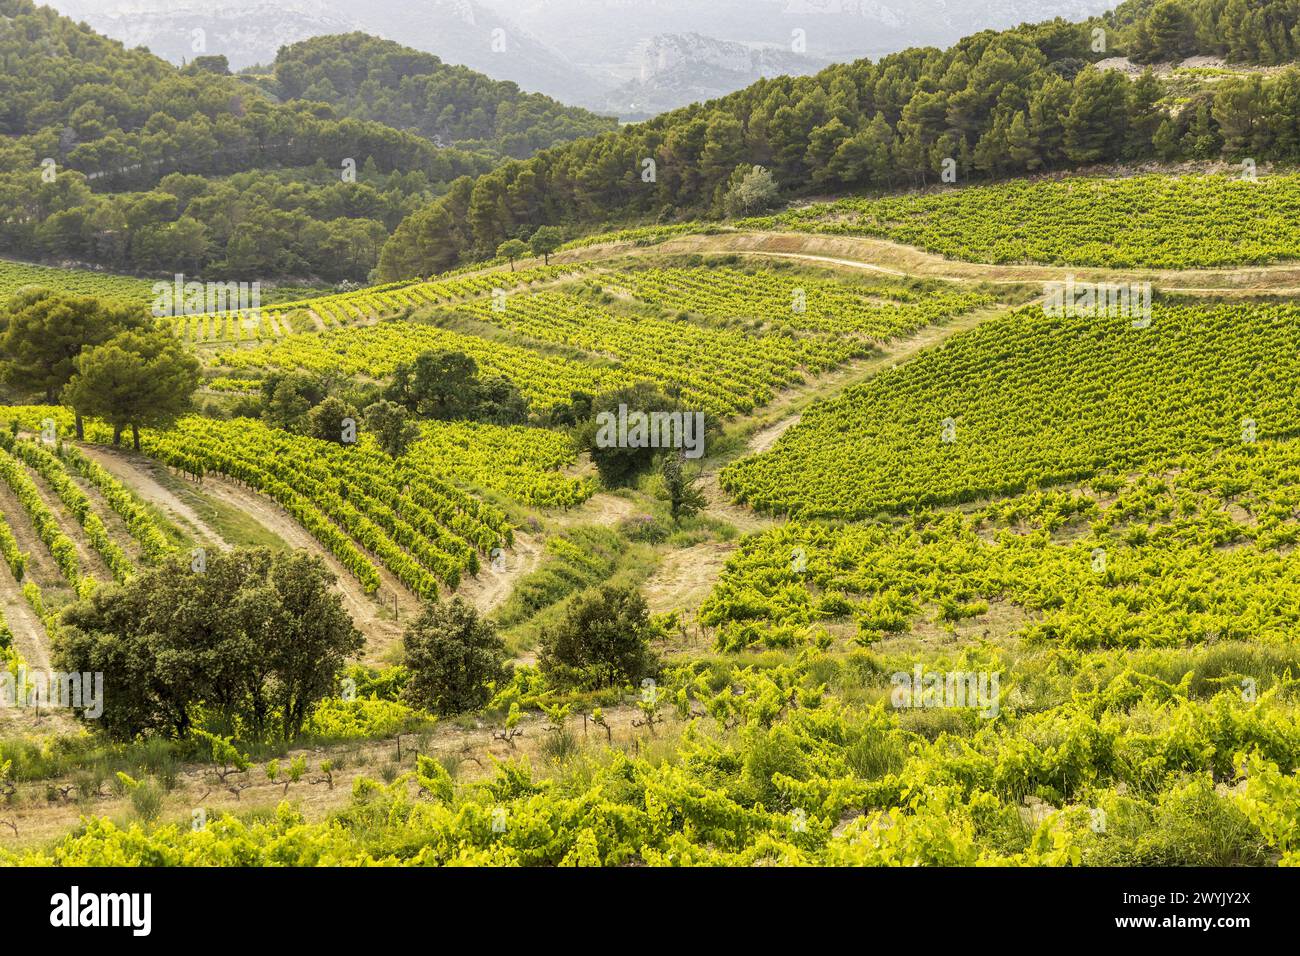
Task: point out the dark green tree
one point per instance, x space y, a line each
42 334
136 380
247 640
602 640
454 656
392 428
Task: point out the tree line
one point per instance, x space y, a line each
995 104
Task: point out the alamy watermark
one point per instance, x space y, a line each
178 297
682 430
973 690
1072 298
53 689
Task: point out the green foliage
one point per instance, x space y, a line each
993 104
1116 223
135 379
511 250
455 658
1075 395
753 190
42 334
1110 767
602 641
369 78
365 718
333 420
681 489
249 643
130 123
445 386
392 428
545 241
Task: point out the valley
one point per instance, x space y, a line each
980 550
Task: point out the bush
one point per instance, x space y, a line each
602 641
453 655
753 190
329 421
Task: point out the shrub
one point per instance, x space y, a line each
453 655
602 640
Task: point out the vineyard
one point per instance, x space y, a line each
805 763
769 462
798 303
1139 616
375 351
414 517
17 275
1116 223
580 340
1196 551
361 306
1100 515
715 369
1034 400
71 479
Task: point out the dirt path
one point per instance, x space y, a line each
686 577
30 639
896 259
370 617
92 562
604 509
138 474
765 438
493 585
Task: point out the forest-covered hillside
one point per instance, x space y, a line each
995 104
368 78
116 158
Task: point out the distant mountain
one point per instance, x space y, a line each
246 32
591 53
472 34
601 36
676 69
251 32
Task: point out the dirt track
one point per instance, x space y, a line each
139 474
493 585
896 259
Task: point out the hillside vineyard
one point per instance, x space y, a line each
892 466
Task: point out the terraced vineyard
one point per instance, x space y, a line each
819 534
1032 399
559 342
57 488
1198 551
412 517
374 351
718 370
798 302
1162 222
16 275
359 306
